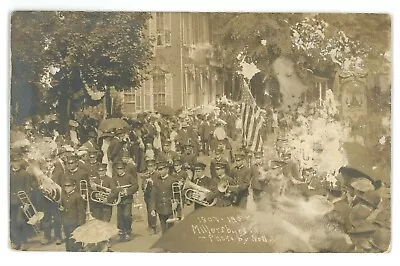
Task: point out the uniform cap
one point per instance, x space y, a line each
73 123
199 166
72 158
102 166
120 165
150 161
259 154
69 182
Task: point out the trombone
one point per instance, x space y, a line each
34 217
176 199
84 192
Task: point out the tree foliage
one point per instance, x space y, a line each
91 49
262 37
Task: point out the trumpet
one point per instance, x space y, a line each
176 199
34 217
197 194
101 195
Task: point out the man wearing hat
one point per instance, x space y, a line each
19 181
189 156
199 178
147 186
219 156
93 162
115 149
162 195
242 175
91 143
166 152
73 214
126 185
101 182
73 132
228 196
74 171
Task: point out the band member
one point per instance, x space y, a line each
101 182
147 186
258 179
223 187
219 157
93 164
19 229
242 174
74 171
199 178
162 196
127 185
166 152
73 214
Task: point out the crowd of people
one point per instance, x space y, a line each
162 155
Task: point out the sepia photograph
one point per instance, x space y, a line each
200 132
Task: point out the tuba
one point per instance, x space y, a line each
176 198
197 194
34 217
101 195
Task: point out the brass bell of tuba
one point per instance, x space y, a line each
197 194
101 195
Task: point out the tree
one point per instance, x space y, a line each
92 51
262 37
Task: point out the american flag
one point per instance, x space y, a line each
252 121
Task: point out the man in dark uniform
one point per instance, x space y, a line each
219 157
147 186
228 193
199 178
127 185
161 199
242 175
102 182
258 179
73 214
166 152
74 172
115 149
92 165
19 181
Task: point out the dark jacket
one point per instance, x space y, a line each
161 195
126 179
79 175
242 176
223 200
115 150
19 181
74 208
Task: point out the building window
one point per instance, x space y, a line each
163 28
132 103
162 89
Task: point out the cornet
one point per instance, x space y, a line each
34 217
197 194
225 187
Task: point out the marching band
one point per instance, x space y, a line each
76 184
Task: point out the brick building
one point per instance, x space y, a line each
184 72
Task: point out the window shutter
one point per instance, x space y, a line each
167 29
151 95
153 30
168 89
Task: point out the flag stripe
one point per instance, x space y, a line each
251 135
257 133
